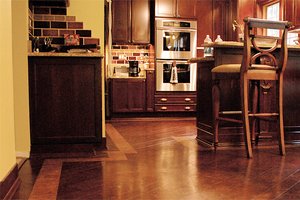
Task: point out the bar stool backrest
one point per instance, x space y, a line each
265 46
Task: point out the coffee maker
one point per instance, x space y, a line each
134 69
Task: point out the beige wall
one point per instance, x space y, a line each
20 74
14 129
91 13
7 136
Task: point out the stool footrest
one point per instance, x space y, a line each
229 120
233 112
263 114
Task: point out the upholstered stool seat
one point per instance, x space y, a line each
227 68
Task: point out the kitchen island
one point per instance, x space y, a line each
65 96
231 133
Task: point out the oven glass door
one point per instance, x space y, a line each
183 73
185 76
175 44
176 41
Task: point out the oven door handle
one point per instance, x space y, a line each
176 29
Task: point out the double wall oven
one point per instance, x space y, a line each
175 43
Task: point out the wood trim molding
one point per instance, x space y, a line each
10 184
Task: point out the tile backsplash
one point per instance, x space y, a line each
121 54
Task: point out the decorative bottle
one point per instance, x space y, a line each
218 39
208 51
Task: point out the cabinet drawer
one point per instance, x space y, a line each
175 108
175 99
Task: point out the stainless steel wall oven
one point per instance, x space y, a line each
175 43
185 80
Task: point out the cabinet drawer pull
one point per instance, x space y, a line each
164 108
187 99
164 99
187 108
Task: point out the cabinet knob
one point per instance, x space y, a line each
164 108
187 108
187 99
164 99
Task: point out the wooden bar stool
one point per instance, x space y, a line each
264 59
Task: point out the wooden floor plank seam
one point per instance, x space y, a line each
119 141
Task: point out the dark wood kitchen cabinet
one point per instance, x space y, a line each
65 100
131 21
150 90
217 17
175 8
128 95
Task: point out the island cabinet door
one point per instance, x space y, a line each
65 100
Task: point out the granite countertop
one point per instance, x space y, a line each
224 44
60 54
127 77
233 44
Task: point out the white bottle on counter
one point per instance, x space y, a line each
208 51
218 39
207 39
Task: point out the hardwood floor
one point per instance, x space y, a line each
159 158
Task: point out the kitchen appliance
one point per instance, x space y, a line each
134 69
175 39
175 43
175 75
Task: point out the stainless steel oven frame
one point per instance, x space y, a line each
161 86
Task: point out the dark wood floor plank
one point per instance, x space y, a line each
80 180
46 184
170 165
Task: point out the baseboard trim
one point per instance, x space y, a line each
22 154
10 184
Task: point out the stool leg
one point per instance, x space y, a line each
280 108
244 102
254 94
216 109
